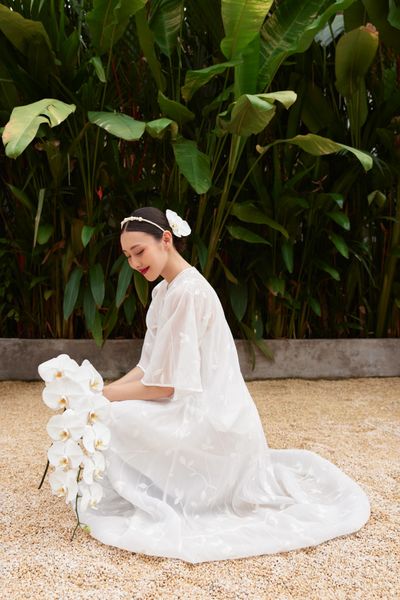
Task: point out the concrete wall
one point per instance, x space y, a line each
308 359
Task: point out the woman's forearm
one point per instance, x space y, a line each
133 375
135 390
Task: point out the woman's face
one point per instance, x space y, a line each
145 253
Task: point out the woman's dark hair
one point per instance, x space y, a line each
157 216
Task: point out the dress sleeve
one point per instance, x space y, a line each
150 335
176 354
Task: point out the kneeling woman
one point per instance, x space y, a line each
189 472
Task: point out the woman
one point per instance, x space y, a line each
189 472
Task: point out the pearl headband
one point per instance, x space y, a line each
179 227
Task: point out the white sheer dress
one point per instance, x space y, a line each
192 477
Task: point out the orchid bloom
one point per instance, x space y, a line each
90 376
67 425
65 455
93 467
63 483
65 394
99 409
91 495
58 368
96 437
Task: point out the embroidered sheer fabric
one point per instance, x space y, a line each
192 476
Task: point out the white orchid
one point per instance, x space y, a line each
93 467
81 403
64 483
96 437
91 495
58 368
92 378
79 434
67 425
65 455
63 393
99 410
179 227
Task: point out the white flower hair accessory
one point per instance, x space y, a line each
179 227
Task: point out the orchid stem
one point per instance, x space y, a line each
76 507
44 475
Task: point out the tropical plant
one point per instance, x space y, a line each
180 104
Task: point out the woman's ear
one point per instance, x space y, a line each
167 238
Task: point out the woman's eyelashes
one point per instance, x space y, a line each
128 256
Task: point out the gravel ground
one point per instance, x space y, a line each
353 423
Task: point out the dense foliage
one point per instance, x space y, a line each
272 127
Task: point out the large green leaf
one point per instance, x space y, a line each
246 73
71 292
45 231
242 22
146 41
89 308
194 80
241 233
238 296
193 164
290 30
394 13
118 124
319 146
97 283
86 234
287 255
129 309
165 20
355 52
31 39
174 110
340 218
108 20
251 113
158 127
124 279
98 67
97 329
334 273
248 213
141 286
339 244
260 343
315 305
26 120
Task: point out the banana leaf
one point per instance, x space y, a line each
165 21
319 146
26 120
193 164
118 124
242 22
290 30
108 20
